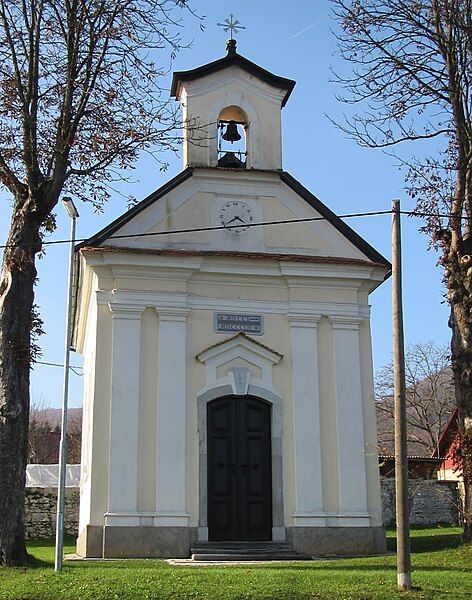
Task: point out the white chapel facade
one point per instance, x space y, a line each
228 374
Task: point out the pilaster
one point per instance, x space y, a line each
171 417
350 422
306 421
124 416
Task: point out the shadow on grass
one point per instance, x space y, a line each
387 568
38 563
429 543
48 545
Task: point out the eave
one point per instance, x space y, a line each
232 60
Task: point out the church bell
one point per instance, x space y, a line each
231 134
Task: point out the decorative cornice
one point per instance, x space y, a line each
172 314
126 311
303 320
162 301
104 297
345 322
286 257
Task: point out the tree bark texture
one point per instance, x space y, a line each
16 318
461 346
457 261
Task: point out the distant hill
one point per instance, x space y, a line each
53 417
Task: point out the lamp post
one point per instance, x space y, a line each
61 489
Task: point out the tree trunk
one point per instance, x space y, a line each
461 347
16 308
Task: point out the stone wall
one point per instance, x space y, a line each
40 512
431 501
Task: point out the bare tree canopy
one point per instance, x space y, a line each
44 434
80 97
411 67
80 91
410 79
429 397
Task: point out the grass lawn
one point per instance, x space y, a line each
442 568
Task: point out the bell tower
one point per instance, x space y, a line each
232 113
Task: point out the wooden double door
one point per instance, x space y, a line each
239 469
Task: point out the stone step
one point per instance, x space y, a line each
227 557
242 545
222 550
244 551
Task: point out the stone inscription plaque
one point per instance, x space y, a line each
232 323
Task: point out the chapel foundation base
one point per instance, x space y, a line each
90 542
337 541
148 542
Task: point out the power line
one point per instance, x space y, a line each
212 228
50 364
260 224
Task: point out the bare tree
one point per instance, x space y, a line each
429 397
38 430
79 99
44 434
411 79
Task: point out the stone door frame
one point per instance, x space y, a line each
239 381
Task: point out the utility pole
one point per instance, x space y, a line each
401 460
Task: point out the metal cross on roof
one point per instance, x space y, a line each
231 25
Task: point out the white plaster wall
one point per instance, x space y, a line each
97 367
87 416
370 423
201 287
147 412
329 447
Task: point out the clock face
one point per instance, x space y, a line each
236 215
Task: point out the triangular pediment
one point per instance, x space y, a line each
186 215
240 364
242 346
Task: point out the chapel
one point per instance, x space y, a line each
228 384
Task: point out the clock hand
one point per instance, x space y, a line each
234 219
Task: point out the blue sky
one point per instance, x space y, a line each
297 44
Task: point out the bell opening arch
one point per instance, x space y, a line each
232 138
237 109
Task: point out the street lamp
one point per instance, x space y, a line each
61 489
